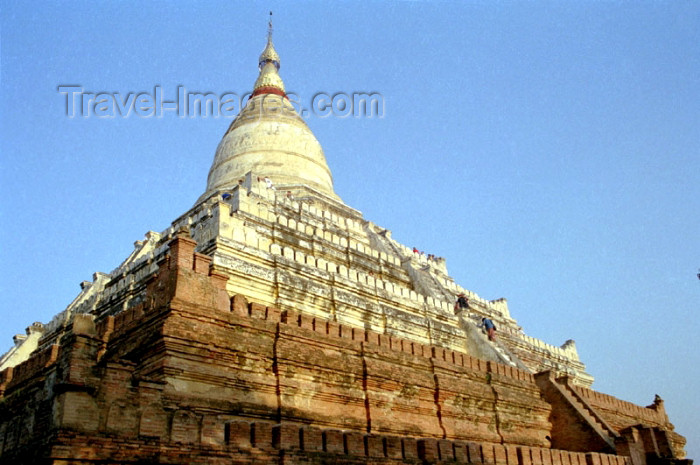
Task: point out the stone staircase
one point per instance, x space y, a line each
505 354
499 353
425 283
423 280
576 398
567 403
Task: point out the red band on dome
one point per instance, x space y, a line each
269 90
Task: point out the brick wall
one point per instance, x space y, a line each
268 443
189 375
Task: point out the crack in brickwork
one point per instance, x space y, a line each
497 418
365 391
438 405
276 371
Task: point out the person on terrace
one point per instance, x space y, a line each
490 328
462 303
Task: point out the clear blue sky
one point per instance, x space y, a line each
549 150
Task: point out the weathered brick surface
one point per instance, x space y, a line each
286 436
401 393
354 443
461 452
190 375
374 445
410 448
488 454
311 439
262 435
524 456
334 442
475 453
446 450
239 434
239 449
394 447
428 450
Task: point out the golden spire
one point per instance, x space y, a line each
269 55
269 82
270 139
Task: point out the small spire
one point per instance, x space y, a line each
269 55
269 28
269 81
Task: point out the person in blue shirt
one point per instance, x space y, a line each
490 328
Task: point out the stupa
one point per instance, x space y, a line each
272 323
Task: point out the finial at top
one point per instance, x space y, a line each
269 55
269 27
269 80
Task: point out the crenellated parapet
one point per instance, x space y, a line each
262 443
15 376
620 408
623 415
328 328
191 369
540 356
318 256
310 443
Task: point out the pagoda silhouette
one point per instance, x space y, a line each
271 323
